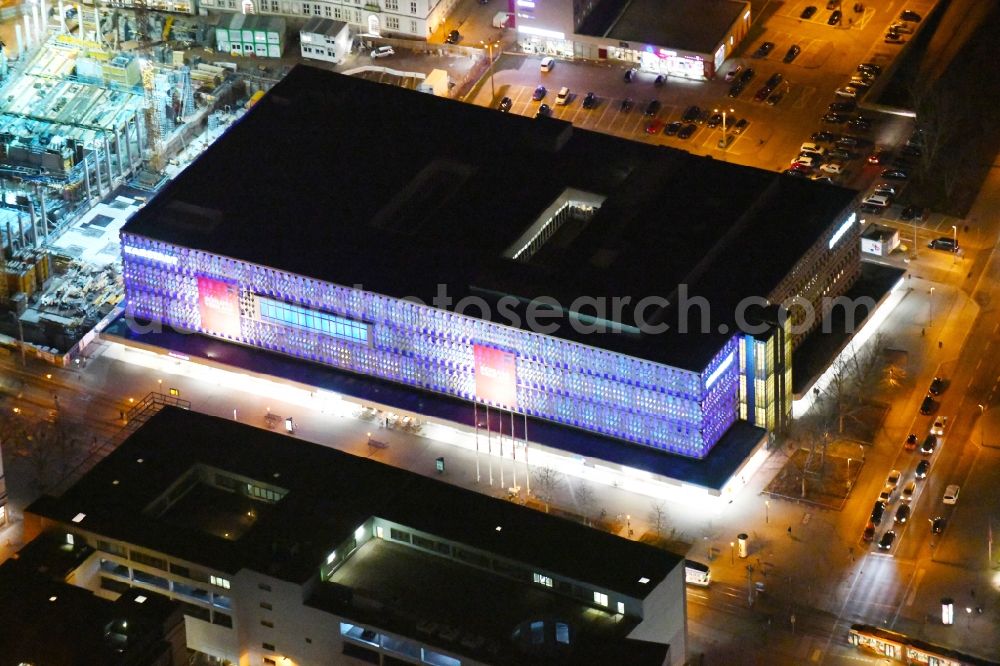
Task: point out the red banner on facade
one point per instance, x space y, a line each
219 303
496 376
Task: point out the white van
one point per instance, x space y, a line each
547 63
563 97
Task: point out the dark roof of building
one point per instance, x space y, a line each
411 191
329 494
698 26
323 26
48 621
711 472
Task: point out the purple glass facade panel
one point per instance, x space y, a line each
620 396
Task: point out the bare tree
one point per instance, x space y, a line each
658 518
585 500
546 481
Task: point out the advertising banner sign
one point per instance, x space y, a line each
496 376
219 303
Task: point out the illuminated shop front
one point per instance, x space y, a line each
668 408
688 39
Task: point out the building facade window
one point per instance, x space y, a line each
392 5
601 599
542 580
392 22
219 582
287 314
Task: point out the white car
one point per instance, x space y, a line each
805 160
832 167
893 478
902 28
383 52
850 93
563 97
939 424
908 491
950 494
547 64
809 147
733 73
886 494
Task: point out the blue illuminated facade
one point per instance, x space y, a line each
632 399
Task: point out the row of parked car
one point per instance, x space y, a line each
904 26
921 471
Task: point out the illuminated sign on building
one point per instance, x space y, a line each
219 304
152 255
496 376
719 370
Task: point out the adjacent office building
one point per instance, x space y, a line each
284 552
526 265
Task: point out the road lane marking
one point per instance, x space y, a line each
816 654
913 593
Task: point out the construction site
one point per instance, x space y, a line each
97 112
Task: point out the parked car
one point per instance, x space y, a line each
808 12
453 37
877 512
908 213
943 243
850 93
893 478
590 101
629 75
870 67
673 128
824 136
902 513
627 104
910 443
910 15
548 62
833 168
901 27
937 385
842 107
747 74
775 97
893 38
937 525
796 173
762 94
886 494
763 50
939 425
543 110
834 17
774 80
654 126
869 534
793 51
691 113
923 469
834 118
841 154
895 174
653 107
715 120
950 494
906 495
383 52
539 93
563 96
885 543
687 131
861 124
505 104
733 73
659 80
930 443
740 126
736 89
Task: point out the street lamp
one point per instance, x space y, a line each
930 308
628 520
732 552
725 146
954 235
489 46
767 507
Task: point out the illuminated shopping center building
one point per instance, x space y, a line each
565 254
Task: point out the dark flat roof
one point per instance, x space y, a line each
330 493
47 621
687 25
359 183
710 472
433 604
